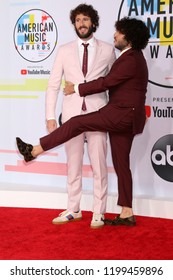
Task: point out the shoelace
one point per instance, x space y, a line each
98 217
63 213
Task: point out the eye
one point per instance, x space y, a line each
77 20
86 19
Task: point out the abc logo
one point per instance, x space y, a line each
162 157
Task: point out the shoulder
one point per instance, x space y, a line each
104 44
68 45
133 55
132 52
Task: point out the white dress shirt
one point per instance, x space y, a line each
91 49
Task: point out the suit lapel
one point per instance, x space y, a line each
96 56
75 53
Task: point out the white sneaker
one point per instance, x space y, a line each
67 216
97 220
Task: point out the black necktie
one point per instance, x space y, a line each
85 68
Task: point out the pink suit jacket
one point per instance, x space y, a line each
67 66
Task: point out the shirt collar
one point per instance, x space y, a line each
90 41
124 51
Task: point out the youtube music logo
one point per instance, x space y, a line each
24 72
148 111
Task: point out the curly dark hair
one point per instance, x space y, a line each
86 10
135 31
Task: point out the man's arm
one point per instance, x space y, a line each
52 91
95 85
120 72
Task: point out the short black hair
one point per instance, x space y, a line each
86 10
136 32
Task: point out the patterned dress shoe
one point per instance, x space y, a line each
25 149
130 221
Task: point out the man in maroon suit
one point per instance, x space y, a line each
123 117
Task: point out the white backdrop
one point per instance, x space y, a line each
23 84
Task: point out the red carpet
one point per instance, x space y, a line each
27 234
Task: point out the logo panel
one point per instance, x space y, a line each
162 157
159 53
35 35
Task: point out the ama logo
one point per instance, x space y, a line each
35 35
158 16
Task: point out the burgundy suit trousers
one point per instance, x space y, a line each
121 137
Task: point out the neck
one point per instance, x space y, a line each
87 39
127 47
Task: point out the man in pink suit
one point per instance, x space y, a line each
123 117
68 63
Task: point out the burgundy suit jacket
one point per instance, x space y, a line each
127 86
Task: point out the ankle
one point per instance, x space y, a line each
37 150
126 212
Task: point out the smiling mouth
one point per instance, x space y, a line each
83 29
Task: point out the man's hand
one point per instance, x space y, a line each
51 125
69 88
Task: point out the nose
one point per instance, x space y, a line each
82 23
115 35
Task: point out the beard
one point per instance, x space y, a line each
121 44
86 35
119 47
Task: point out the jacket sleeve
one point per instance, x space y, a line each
122 69
54 85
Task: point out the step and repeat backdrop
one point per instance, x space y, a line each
31 32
